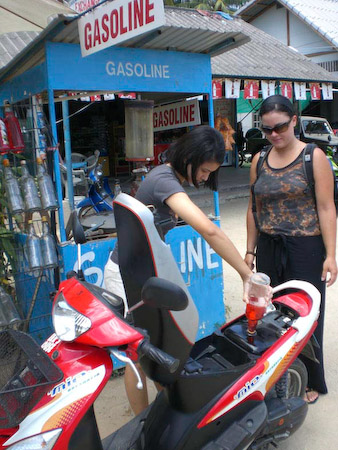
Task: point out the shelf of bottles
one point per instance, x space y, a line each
31 254
28 251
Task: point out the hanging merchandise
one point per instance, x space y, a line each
39 126
117 188
13 194
8 312
139 129
29 190
327 92
232 88
46 187
217 89
48 247
251 89
33 249
268 88
4 141
222 124
14 132
300 90
286 89
109 96
315 91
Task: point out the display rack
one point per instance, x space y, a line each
29 290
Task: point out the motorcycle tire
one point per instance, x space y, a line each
86 210
241 159
297 379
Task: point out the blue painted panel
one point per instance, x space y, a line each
202 272
34 81
40 304
118 68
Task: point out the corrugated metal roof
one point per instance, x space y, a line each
252 8
265 57
185 30
189 30
320 15
12 43
28 15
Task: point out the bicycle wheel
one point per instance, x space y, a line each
241 158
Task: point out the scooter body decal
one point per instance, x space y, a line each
67 399
249 385
256 382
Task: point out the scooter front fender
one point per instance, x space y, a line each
86 371
87 201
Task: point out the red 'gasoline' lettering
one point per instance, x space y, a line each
138 12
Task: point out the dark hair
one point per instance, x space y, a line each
200 145
277 103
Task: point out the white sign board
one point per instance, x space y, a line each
118 21
82 5
177 115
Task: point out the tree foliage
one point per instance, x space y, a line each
210 5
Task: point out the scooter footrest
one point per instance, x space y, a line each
240 434
285 415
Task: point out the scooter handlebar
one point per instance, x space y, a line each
159 356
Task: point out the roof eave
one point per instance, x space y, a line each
51 30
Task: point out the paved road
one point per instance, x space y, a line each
320 430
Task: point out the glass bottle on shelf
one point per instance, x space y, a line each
117 188
33 249
46 187
15 202
48 246
29 190
8 312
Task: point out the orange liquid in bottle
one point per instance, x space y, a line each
254 313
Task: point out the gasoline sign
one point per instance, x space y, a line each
118 21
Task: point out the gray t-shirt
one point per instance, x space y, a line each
160 183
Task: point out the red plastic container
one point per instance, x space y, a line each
4 139
15 137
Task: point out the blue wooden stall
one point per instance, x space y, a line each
52 66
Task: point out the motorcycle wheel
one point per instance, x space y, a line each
241 158
86 210
297 379
296 384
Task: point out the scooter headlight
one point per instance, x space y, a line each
43 441
68 323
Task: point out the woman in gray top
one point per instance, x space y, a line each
194 158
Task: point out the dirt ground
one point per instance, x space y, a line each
320 428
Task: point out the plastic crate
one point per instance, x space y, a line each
26 374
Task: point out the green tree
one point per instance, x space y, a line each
210 5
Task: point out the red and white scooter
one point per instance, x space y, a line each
222 392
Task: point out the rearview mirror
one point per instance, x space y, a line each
161 293
77 228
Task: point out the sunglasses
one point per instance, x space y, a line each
279 128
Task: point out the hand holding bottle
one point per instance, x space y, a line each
260 293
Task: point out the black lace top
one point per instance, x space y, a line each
285 204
